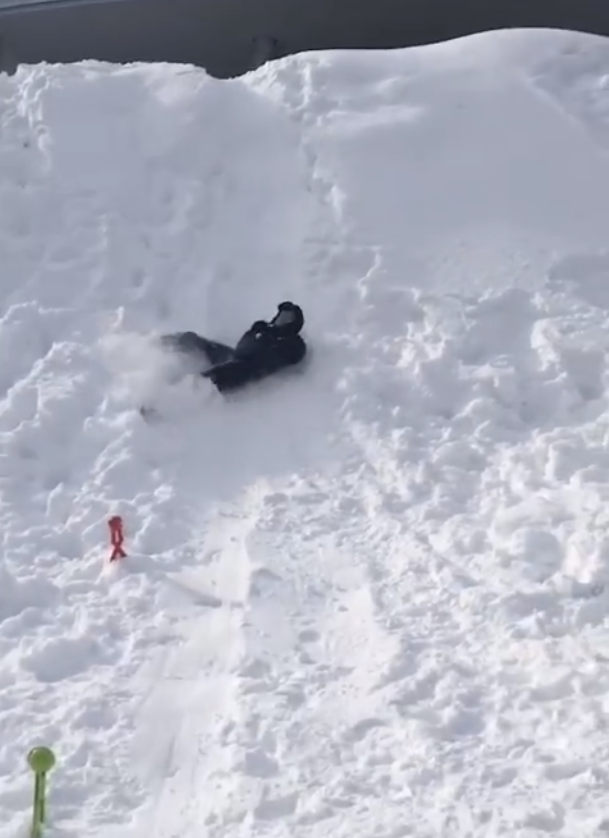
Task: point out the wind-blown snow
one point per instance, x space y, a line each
364 600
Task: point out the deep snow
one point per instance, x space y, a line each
367 600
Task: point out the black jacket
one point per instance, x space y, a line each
263 350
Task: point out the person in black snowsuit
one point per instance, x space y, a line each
266 348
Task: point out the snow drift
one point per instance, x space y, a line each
368 600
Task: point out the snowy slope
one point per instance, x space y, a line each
367 600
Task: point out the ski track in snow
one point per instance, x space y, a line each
369 599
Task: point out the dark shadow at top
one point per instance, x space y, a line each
229 37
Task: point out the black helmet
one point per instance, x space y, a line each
289 318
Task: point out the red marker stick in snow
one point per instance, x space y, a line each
116 538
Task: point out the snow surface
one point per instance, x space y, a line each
366 601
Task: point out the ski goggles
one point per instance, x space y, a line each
286 317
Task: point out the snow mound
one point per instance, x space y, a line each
366 599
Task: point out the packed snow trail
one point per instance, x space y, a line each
366 599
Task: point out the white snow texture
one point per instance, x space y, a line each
367 600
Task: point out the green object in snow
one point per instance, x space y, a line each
41 760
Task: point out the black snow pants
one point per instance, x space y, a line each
195 347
